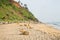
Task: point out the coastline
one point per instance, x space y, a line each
55 26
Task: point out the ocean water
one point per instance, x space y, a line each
55 25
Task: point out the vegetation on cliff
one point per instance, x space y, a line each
11 11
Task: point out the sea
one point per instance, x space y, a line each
55 25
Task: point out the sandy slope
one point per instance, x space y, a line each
36 32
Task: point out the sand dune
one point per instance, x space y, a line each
25 31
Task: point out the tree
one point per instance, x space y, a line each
19 1
25 5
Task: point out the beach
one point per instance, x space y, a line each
28 31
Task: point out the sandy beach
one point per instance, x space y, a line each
28 31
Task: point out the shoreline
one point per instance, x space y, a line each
54 26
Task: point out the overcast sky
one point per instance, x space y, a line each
44 10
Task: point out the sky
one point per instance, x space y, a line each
44 10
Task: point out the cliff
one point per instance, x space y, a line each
11 10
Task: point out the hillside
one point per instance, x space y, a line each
12 11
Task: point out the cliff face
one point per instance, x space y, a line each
11 10
15 3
